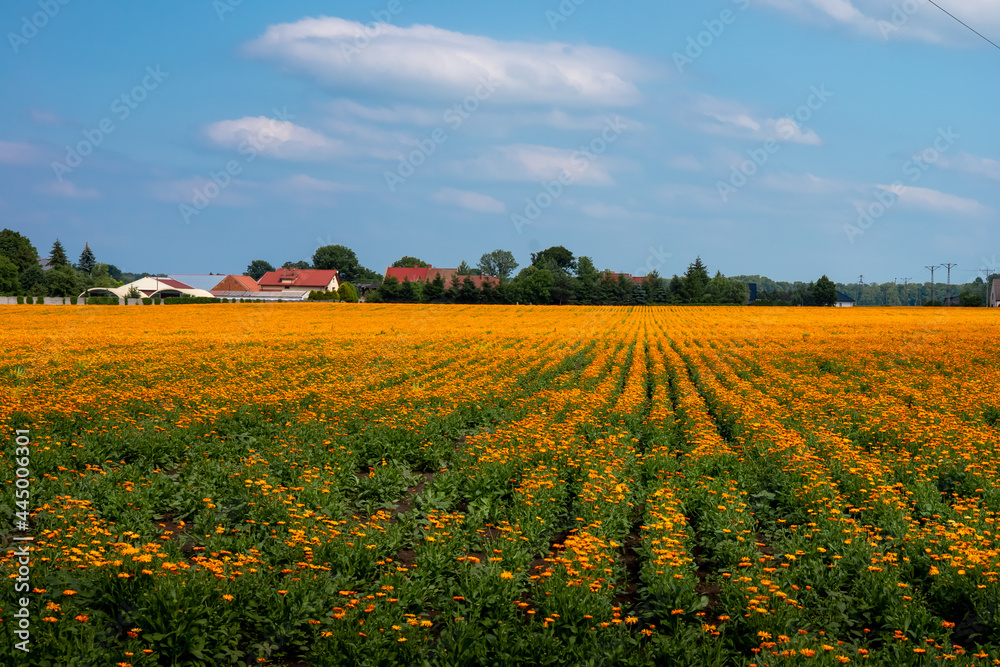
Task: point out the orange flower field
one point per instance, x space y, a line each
317 484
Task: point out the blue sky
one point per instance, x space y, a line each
789 138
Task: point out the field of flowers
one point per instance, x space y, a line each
317 485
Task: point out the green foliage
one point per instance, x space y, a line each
146 301
348 293
969 300
824 292
562 257
62 281
337 257
257 268
32 279
695 282
499 263
188 300
323 296
9 284
87 262
407 262
301 265
102 301
18 249
57 258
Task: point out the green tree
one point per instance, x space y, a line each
561 256
62 281
824 293
968 299
407 262
18 249
499 263
535 285
101 277
694 282
410 292
32 279
390 290
257 268
301 265
58 257
87 261
348 293
434 290
588 280
9 285
337 257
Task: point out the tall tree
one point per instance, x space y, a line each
58 256
560 255
340 258
499 263
694 282
18 249
257 268
824 292
302 265
407 262
87 260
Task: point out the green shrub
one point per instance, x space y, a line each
374 297
190 300
20 300
323 296
146 301
74 300
157 301
348 293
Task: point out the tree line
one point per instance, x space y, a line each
21 274
557 277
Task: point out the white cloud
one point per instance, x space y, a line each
472 201
67 190
524 162
933 199
278 139
971 164
732 119
424 61
20 153
893 19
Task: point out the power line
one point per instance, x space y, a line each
963 23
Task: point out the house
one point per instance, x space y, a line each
300 280
428 274
234 283
995 294
844 301
953 300
149 287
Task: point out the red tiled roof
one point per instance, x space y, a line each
176 284
234 283
303 278
403 274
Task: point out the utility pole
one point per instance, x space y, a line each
932 269
861 289
949 266
906 281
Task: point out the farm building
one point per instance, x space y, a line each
995 294
300 280
844 301
151 287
